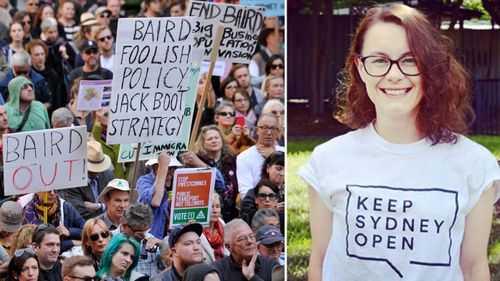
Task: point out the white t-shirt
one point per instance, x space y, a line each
107 63
398 209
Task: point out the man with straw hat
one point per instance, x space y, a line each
100 173
116 196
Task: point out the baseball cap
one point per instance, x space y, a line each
177 232
267 235
87 45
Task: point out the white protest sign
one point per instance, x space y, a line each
151 72
273 7
192 196
242 25
93 94
45 160
219 68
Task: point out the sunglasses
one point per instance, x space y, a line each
280 66
223 113
19 252
85 278
91 51
95 237
104 15
276 112
263 196
39 232
103 39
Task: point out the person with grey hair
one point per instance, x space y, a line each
243 263
265 217
21 66
61 118
136 224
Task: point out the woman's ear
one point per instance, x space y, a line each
359 67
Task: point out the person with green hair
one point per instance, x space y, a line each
23 111
119 259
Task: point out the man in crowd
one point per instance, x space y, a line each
78 268
61 118
115 7
249 162
136 223
46 242
104 40
270 242
116 197
11 216
243 262
241 74
91 67
185 244
265 217
100 173
152 9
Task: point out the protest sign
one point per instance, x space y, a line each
242 25
273 7
93 94
45 160
192 196
151 72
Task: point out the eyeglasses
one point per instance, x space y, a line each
19 252
92 51
223 113
85 278
94 237
264 196
269 129
243 239
378 66
138 232
103 39
275 66
240 100
276 112
104 15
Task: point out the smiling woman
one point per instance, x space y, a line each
406 195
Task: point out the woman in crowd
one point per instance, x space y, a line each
214 231
276 108
88 25
408 98
25 19
273 89
275 66
238 136
22 238
227 87
44 12
23 266
265 195
95 238
201 272
119 259
60 214
16 36
66 16
244 108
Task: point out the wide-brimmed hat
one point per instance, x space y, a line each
173 162
97 161
267 235
102 9
11 216
177 232
87 19
119 184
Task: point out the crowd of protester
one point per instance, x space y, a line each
117 229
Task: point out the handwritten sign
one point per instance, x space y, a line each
93 94
385 224
242 25
45 160
192 196
273 7
151 75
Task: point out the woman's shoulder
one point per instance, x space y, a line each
340 142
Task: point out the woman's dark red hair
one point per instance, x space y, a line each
445 107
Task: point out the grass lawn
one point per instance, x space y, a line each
298 236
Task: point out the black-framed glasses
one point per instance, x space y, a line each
269 129
105 38
275 66
224 113
264 196
19 252
94 237
85 278
378 66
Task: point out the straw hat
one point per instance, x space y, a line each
11 216
173 162
114 184
97 161
87 19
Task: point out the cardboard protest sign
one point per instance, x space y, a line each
273 7
150 84
242 25
45 160
192 196
93 94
